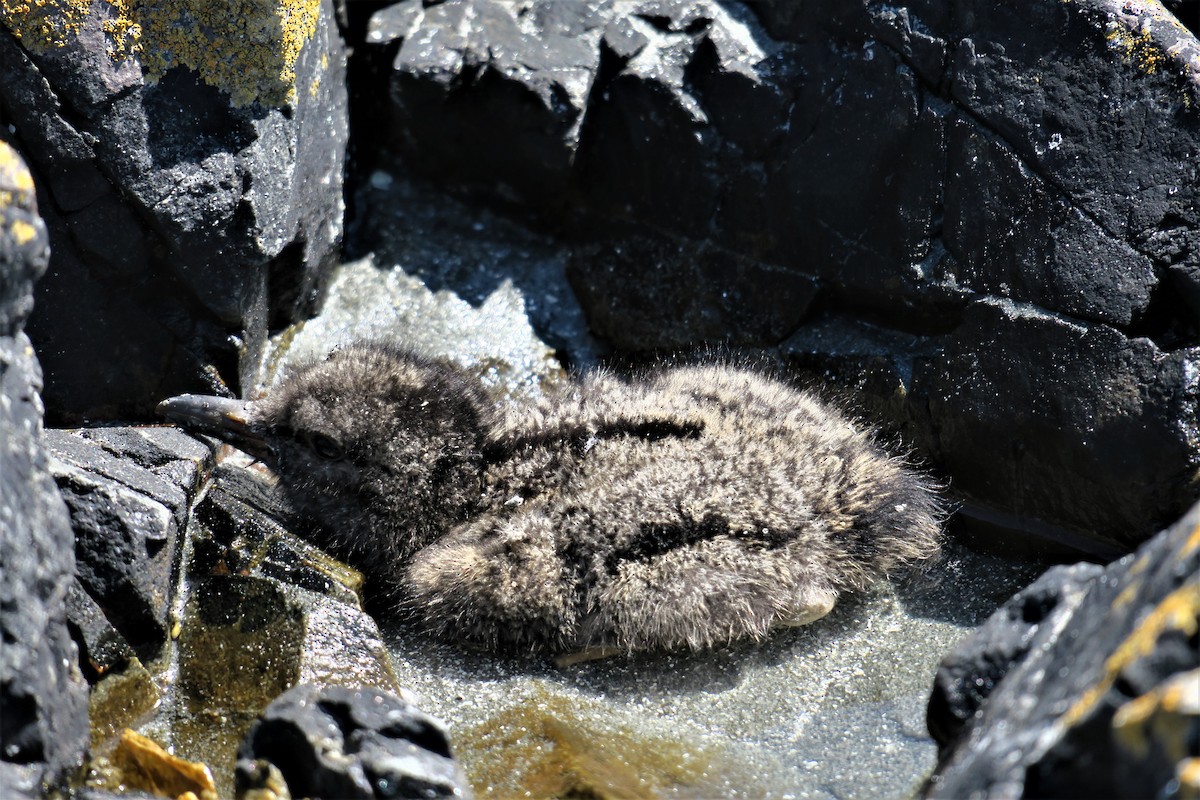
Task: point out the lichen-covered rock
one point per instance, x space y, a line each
1098 697
189 152
353 743
43 697
1015 202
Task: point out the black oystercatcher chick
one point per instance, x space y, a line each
681 508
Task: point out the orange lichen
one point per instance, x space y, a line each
1161 715
1136 47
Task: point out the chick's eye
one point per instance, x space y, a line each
326 447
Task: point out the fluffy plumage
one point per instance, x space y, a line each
684 508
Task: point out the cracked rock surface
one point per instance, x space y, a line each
43 697
1003 216
183 153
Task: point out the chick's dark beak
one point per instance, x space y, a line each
228 420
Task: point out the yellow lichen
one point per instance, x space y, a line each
1192 544
1127 594
42 25
22 232
1163 714
248 48
16 184
1180 610
1136 47
1187 772
122 31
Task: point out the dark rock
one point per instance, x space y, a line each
1014 235
241 534
353 743
189 197
530 76
1099 697
973 670
1051 428
1068 179
1040 416
43 697
864 367
736 301
101 646
166 451
1089 95
128 519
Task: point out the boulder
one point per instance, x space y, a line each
189 157
1086 684
352 743
43 697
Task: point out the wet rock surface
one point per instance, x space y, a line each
176 185
353 743
43 697
252 611
696 150
259 611
493 340
1096 675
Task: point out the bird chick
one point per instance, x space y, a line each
684 508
